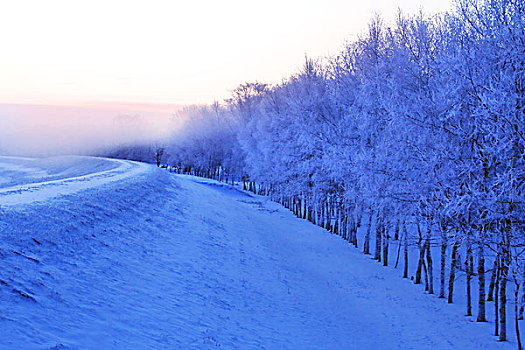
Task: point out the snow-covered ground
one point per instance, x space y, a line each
106 254
26 180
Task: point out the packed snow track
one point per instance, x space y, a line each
26 180
106 254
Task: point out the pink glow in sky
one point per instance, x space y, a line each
181 52
154 56
43 130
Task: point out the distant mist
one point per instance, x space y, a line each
40 130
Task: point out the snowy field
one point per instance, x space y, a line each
108 254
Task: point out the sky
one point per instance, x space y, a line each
48 130
178 52
70 68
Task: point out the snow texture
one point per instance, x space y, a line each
120 255
37 180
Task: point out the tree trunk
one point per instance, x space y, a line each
468 269
366 243
321 216
481 279
305 208
490 296
353 229
350 227
444 242
522 301
430 268
344 226
405 243
398 253
386 237
496 296
516 313
421 247
452 275
502 293
379 228
337 218
425 274
328 213
420 264
503 304
359 217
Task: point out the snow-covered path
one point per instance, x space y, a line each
159 261
36 183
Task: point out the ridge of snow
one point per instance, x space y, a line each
68 179
169 261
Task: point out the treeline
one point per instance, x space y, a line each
416 132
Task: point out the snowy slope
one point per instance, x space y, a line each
26 180
132 257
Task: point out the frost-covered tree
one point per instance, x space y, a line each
412 136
